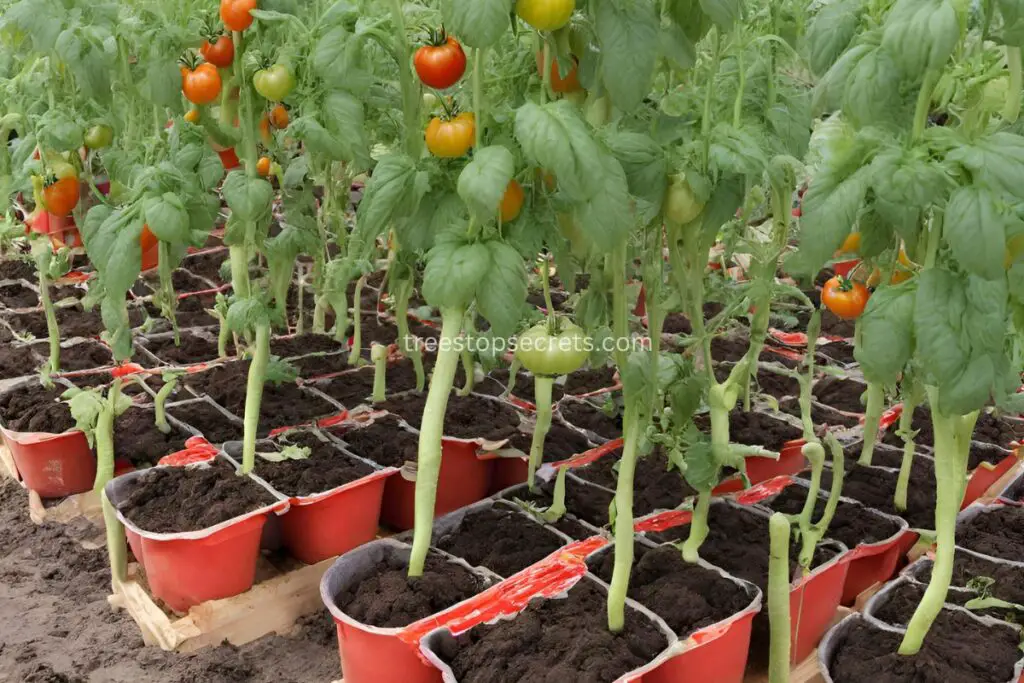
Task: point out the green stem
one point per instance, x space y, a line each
357 323
379 354
807 381
620 314
254 395
778 599
545 89
300 324
52 328
223 336
872 416
737 107
557 509
160 402
513 374
705 121
924 103
410 345
104 436
117 549
542 387
911 399
432 435
698 527
167 288
813 534
239 256
545 279
478 94
1013 93
409 86
624 523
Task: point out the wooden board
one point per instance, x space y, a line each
271 606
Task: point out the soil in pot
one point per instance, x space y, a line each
320 364
999 533
184 282
1008 579
901 602
851 525
732 349
207 265
326 467
820 415
193 349
17 269
385 442
62 292
375 329
768 382
883 456
876 488
523 387
17 361
558 299
350 390
588 503
192 311
17 295
34 408
87 355
677 323
841 394
388 598
500 539
72 320
834 326
468 417
589 381
999 431
957 648
921 423
206 419
561 443
590 418
655 486
303 345
755 429
840 353
179 499
556 640
687 596
137 438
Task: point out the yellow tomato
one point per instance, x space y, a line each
452 138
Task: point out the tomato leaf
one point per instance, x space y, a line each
646 168
501 295
483 181
830 209
976 232
555 138
453 273
344 118
85 407
886 343
628 33
830 33
724 13
393 191
59 132
249 199
1012 30
677 47
995 160
436 214
872 95
167 218
477 23
688 15
41 20
246 314
608 215
920 35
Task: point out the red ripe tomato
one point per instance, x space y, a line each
442 63
202 84
846 298
235 13
61 195
229 158
571 83
147 240
512 202
221 52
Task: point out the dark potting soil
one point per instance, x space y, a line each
467 417
185 282
321 364
17 295
62 292
958 649
852 524
838 352
556 640
500 539
841 394
375 329
558 299
755 429
388 598
326 468
921 423
999 533
902 600
1001 431
17 361
767 382
589 417
1008 579
206 419
876 488
834 326
137 438
385 442
523 388
17 269
72 320
303 345
586 502
193 349
192 311
655 486
86 355
732 349
350 390
590 380
561 443
34 408
178 499
677 323
207 265
820 414
5 333
883 456
687 596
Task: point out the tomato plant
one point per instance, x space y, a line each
274 83
99 137
201 84
61 192
441 62
512 202
236 14
192 116
845 298
545 15
453 137
220 52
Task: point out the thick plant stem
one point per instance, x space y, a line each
872 415
223 336
557 509
947 504
52 328
431 436
698 527
911 398
167 287
778 599
924 103
409 344
357 322
807 381
159 404
104 436
1011 110
117 549
624 523
409 86
254 395
379 355
300 323
542 387
239 271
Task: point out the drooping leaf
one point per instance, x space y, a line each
436 214
646 168
249 199
555 138
501 295
608 215
628 33
392 192
477 23
483 181
453 273
830 33
167 218
830 208
995 160
886 343
975 228
724 13
920 35
872 95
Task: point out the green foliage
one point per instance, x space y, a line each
975 227
483 181
477 23
630 32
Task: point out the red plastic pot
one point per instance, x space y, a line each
187 569
53 465
982 478
791 460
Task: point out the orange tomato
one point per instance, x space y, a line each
236 13
147 240
851 245
221 52
265 134
571 83
279 116
192 116
846 298
263 166
228 158
452 138
202 84
512 202
61 195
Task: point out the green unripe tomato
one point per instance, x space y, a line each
551 355
99 136
275 83
681 204
430 101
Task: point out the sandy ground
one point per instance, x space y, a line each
56 625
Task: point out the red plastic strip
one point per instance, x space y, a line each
588 457
664 520
765 489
